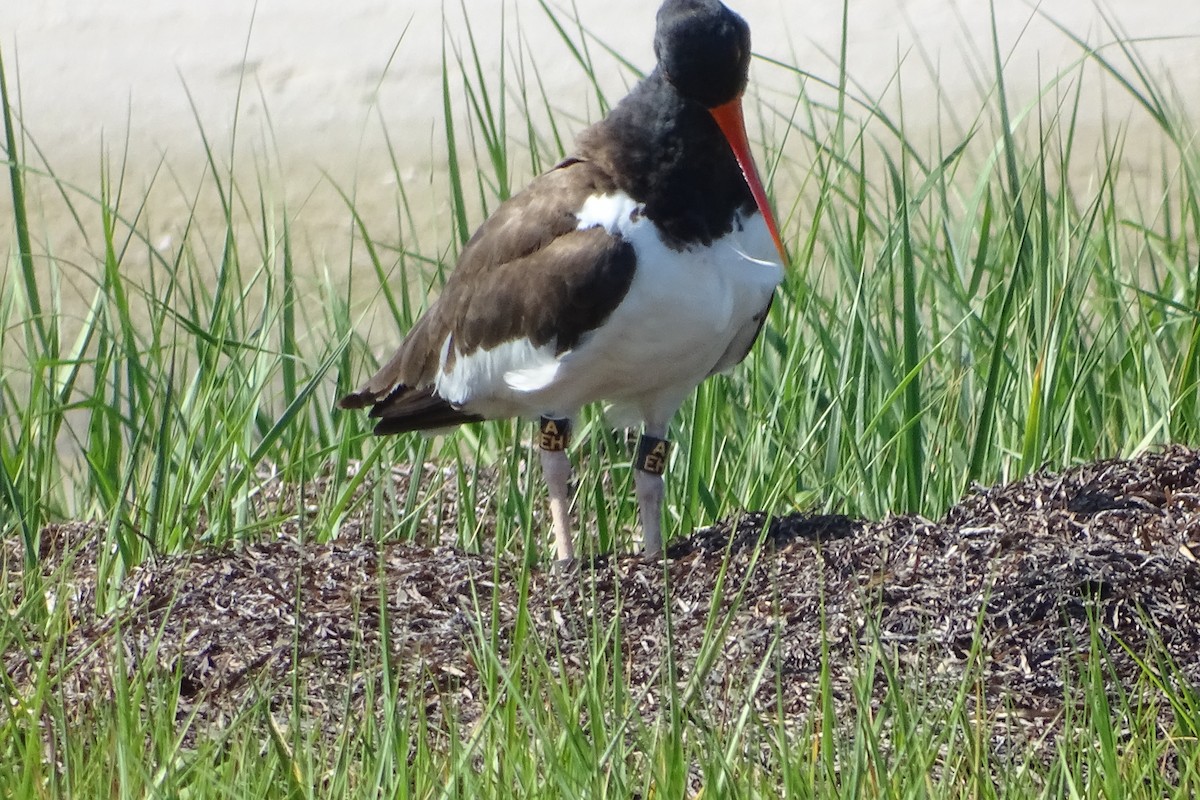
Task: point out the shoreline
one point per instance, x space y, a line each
319 115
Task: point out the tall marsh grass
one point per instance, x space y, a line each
953 313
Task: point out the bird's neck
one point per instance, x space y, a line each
667 153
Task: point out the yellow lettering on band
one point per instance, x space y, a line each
652 454
554 434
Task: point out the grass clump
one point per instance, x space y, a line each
956 313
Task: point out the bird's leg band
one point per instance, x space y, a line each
652 454
554 434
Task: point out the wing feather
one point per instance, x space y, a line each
528 272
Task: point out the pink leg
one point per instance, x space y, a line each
553 437
649 465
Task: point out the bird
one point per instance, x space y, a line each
634 269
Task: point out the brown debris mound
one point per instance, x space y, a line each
1015 572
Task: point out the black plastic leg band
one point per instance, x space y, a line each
652 454
554 434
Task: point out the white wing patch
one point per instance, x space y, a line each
533 379
516 366
613 212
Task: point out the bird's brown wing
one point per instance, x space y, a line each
528 272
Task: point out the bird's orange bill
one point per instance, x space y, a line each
729 118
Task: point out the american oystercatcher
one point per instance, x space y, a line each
628 273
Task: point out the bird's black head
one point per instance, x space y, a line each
703 49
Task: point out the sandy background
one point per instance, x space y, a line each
132 84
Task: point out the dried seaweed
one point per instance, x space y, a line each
1012 583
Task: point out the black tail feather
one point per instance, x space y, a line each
405 410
